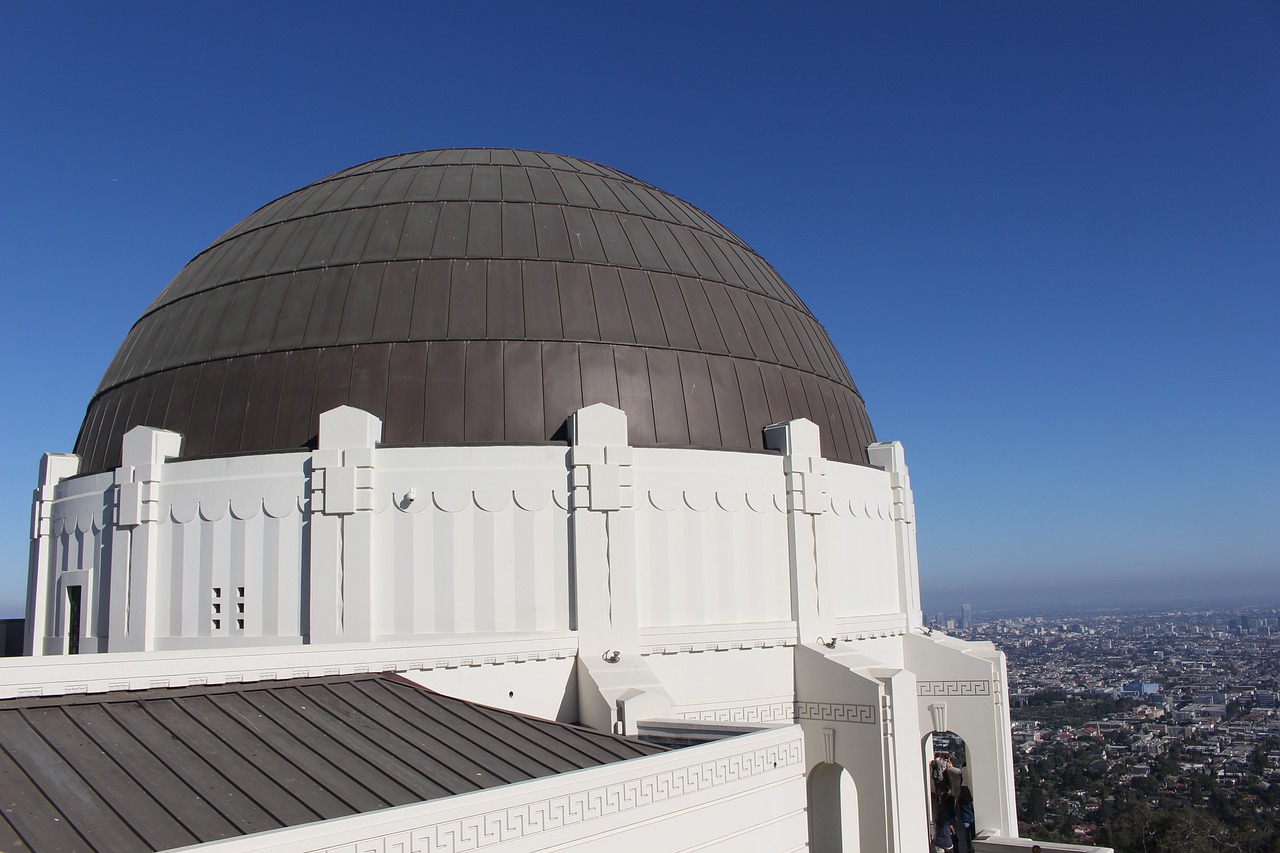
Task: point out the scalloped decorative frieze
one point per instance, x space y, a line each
214 510
183 510
561 497
731 501
492 500
400 500
80 522
245 507
279 506
531 500
703 500
488 500
379 499
665 500
698 500
852 507
451 501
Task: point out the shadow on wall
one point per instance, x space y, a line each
833 810
11 637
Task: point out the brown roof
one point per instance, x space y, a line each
475 295
157 769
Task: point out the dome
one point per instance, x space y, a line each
475 296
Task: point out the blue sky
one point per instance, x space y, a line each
1044 236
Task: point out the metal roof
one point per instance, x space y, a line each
158 769
475 295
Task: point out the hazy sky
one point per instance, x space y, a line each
1045 236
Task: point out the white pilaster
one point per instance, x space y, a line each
341 526
889 455
54 468
800 443
616 688
136 535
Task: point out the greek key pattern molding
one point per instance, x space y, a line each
836 712
475 832
787 712
769 712
953 688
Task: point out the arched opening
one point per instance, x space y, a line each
833 810
951 816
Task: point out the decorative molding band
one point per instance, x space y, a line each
836 712
849 628
783 711
54 675
526 820
716 638
786 712
953 688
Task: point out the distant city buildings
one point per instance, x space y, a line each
1201 686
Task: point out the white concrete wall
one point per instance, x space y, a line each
856 539
231 551
79 552
711 538
482 547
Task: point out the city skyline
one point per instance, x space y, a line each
1042 238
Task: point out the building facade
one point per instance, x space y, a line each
537 435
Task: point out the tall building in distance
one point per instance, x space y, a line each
472 467
966 616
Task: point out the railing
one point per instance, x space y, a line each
1004 844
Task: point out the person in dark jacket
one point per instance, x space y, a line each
964 821
944 823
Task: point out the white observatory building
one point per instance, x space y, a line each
482 499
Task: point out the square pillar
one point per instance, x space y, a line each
136 535
54 468
341 526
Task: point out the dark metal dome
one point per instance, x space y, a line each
475 295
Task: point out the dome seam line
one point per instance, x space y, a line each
696 276
234 356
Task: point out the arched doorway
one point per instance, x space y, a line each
946 762
833 810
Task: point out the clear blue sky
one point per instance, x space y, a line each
1045 236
